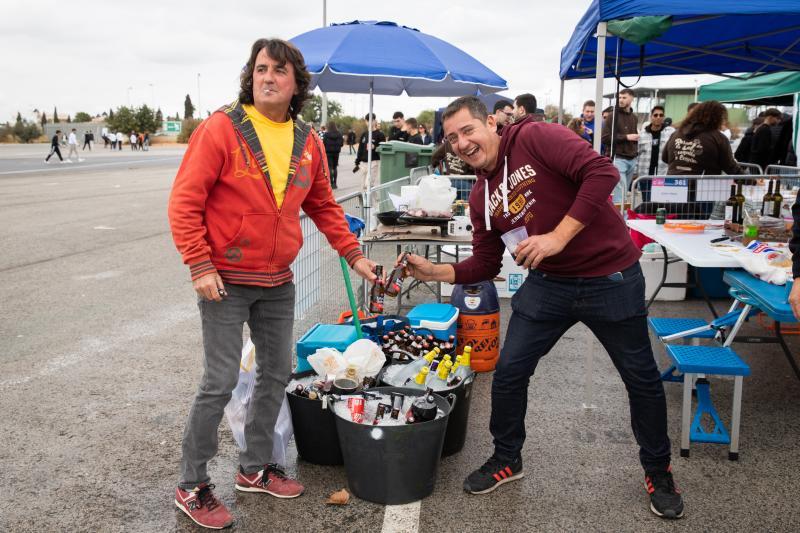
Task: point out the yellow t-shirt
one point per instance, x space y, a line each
277 141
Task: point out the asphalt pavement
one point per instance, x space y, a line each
100 356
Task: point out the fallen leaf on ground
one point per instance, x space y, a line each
340 497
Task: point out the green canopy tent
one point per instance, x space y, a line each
777 88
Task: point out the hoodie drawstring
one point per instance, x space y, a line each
486 214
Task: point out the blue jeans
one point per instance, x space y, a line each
544 308
626 168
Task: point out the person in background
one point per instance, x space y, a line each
576 125
120 138
503 111
377 138
234 212
351 140
333 146
88 137
398 130
146 142
652 139
54 148
524 105
423 132
134 139
742 153
412 130
587 116
583 268
73 146
322 131
625 145
761 150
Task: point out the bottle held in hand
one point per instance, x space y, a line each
376 294
394 285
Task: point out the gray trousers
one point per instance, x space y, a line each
269 312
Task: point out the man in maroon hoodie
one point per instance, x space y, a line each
584 268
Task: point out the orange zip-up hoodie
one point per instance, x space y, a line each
223 213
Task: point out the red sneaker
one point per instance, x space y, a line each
271 480
203 507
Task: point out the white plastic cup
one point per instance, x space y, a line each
514 237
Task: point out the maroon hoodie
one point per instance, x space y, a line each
551 172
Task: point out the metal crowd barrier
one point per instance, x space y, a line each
752 168
693 197
789 176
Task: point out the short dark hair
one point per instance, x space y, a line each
588 103
58 131
412 122
772 112
627 91
526 101
283 52
398 114
473 105
607 110
661 107
500 104
366 117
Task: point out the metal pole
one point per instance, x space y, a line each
599 71
561 104
324 118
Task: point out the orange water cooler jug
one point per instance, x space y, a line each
478 323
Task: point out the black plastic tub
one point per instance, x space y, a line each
456 434
314 430
393 465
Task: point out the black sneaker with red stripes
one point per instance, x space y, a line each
492 474
665 498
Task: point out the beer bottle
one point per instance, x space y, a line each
766 202
439 381
411 369
394 285
419 380
376 294
731 206
740 203
465 369
777 200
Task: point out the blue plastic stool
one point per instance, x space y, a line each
664 327
708 360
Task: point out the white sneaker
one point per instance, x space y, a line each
46 162
62 161
68 161
79 160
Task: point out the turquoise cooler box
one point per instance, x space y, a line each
323 336
440 319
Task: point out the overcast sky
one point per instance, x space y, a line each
94 55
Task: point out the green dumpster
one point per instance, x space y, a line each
398 158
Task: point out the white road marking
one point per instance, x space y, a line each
58 169
94 347
103 227
100 275
402 518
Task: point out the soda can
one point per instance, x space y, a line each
661 215
397 403
356 406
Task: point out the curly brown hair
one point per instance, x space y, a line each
708 116
283 52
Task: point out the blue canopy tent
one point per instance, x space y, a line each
694 37
371 57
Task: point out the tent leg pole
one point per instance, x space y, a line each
368 199
561 104
599 71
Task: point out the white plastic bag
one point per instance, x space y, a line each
326 361
766 263
435 194
366 356
236 410
239 405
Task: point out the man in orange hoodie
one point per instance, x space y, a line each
235 218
